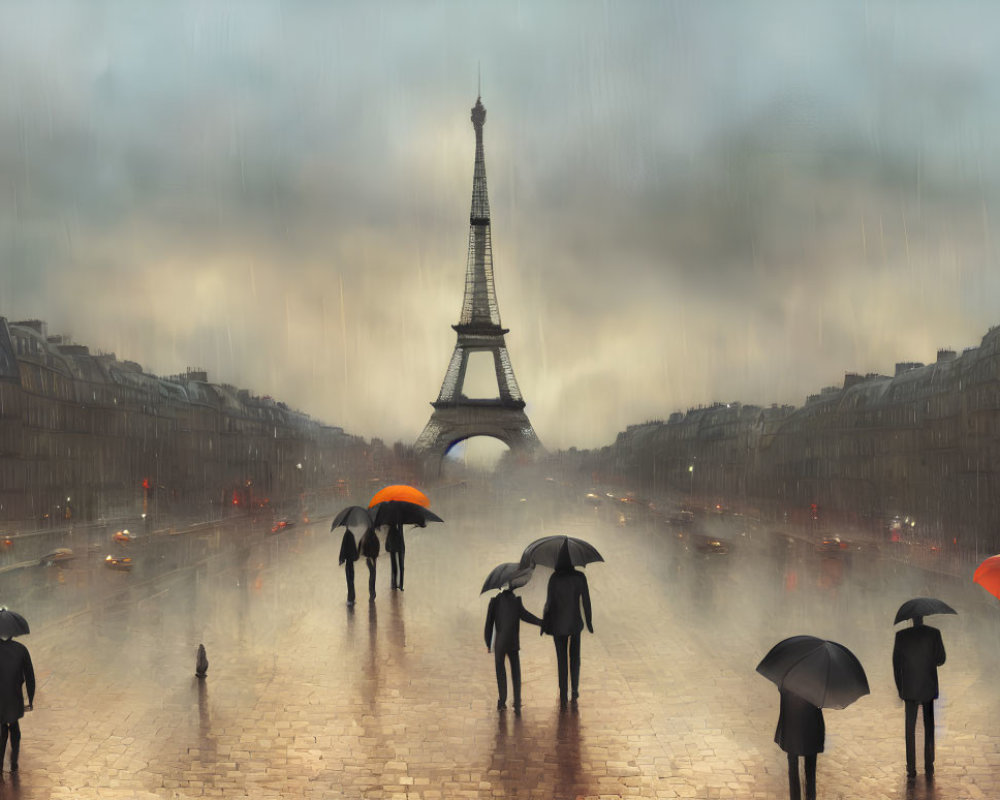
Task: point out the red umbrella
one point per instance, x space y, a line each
987 575
400 491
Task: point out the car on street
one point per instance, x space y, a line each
58 557
118 562
124 535
281 525
710 545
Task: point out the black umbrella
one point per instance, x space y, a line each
353 517
545 552
922 607
399 512
509 572
12 623
824 673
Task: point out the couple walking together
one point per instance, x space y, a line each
561 619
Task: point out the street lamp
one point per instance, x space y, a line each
691 473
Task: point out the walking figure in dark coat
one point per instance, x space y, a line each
348 555
370 548
15 672
505 614
562 620
396 548
917 654
800 732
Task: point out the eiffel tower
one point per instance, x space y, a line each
455 416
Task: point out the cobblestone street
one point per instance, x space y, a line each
397 698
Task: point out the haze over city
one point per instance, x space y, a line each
690 202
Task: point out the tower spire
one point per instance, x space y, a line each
479 308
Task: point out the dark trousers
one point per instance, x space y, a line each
395 556
349 572
911 736
14 729
371 576
515 675
794 788
568 645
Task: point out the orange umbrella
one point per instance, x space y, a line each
987 575
400 492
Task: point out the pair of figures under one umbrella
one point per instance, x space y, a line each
392 508
812 674
568 594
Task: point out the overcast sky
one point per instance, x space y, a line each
692 201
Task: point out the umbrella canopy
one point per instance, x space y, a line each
353 517
987 575
12 623
922 607
509 572
546 552
824 673
400 491
399 512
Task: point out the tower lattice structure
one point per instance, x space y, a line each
455 416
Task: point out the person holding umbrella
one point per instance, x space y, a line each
567 590
16 671
369 547
395 546
348 555
811 674
503 627
800 732
917 653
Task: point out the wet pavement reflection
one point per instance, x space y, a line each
306 697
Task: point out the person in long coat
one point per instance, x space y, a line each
504 615
800 732
348 555
370 548
395 546
917 654
16 674
562 620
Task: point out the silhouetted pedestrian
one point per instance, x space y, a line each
370 548
917 654
504 615
201 662
348 555
562 620
800 732
16 672
395 546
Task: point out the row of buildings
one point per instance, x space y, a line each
922 444
85 436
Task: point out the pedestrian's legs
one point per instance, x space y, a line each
498 656
810 765
15 744
3 741
794 787
574 663
563 667
515 677
929 737
371 577
911 747
349 573
401 555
